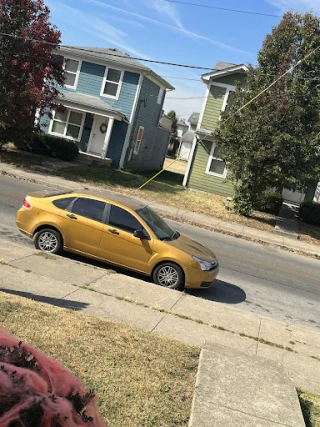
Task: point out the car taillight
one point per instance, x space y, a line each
26 204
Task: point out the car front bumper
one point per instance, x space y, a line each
199 279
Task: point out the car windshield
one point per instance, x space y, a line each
160 228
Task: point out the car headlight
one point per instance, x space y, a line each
205 265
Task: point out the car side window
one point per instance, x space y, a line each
89 208
122 219
63 203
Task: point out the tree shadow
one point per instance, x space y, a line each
57 302
220 291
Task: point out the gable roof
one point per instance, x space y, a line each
223 69
194 118
115 56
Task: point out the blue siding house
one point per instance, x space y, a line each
113 108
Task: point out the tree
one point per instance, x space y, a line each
29 73
273 143
174 141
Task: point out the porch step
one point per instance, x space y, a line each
88 159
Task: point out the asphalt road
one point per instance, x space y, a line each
253 277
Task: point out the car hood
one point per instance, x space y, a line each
192 247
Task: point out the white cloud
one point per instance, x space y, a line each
182 30
296 5
166 9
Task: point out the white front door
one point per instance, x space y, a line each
98 135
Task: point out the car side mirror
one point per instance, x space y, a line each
141 234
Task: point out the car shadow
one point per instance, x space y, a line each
58 302
107 266
220 291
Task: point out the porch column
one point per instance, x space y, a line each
107 138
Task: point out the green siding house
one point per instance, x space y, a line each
206 171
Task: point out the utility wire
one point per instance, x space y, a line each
248 12
109 54
272 84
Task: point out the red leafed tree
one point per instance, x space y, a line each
29 73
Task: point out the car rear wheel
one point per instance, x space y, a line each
169 275
48 240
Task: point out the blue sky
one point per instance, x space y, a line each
156 29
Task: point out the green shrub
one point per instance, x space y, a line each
310 213
270 202
51 146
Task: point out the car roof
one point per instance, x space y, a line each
110 196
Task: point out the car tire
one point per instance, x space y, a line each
49 241
169 275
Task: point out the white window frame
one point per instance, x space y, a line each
137 143
77 73
160 95
66 125
105 81
212 157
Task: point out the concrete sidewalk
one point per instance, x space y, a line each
176 213
67 283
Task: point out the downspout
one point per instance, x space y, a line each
130 127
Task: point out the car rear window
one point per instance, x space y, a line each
63 203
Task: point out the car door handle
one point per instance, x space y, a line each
72 216
113 231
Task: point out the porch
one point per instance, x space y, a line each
89 121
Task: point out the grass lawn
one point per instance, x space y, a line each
142 379
166 188
310 405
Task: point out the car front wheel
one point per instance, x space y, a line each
169 275
48 240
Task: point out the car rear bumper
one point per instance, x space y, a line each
25 221
196 278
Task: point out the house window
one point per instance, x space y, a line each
112 83
68 124
71 73
230 96
160 96
138 140
215 165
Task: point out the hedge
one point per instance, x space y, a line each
310 213
51 146
270 202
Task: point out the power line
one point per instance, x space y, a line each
248 12
110 54
142 59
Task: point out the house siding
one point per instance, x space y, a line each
230 80
199 180
91 80
155 140
213 108
116 142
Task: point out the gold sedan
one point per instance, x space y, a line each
117 230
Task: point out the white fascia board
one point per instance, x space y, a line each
91 110
222 73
